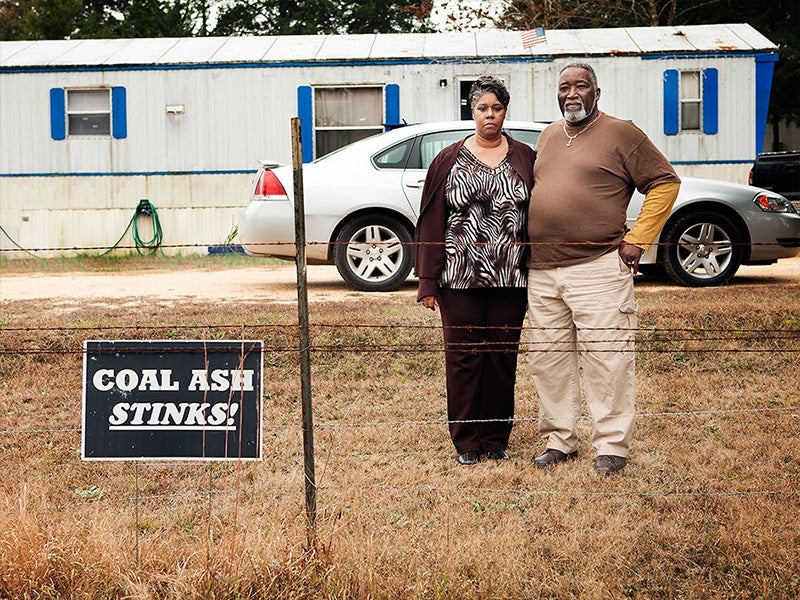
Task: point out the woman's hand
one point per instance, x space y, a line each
429 302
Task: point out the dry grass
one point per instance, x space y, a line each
708 507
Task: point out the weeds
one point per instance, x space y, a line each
705 509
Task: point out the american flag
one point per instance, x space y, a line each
532 37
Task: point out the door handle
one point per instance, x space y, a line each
418 184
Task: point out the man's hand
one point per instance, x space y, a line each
630 256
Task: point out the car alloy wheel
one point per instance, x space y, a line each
702 249
373 253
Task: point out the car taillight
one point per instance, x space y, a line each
269 187
750 178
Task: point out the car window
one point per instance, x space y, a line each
525 135
394 157
430 145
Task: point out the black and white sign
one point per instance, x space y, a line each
171 400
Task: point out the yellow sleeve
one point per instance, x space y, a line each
655 211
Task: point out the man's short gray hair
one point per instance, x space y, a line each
586 67
486 85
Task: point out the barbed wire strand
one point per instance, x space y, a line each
444 422
481 347
460 490
334 243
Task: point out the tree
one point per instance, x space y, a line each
310 17
63 19
156 18
779 20
76 19
468 15
14 17
568 14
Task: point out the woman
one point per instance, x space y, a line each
471 242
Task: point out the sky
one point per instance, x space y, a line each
464 14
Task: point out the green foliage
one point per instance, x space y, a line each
100 19
15 18
312 17
778 20
108 19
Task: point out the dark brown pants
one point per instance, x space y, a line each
481 337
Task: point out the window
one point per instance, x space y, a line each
418 152
395 157
345 115
527 136
433 143
690 100
89 112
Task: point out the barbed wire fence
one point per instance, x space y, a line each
305 341
329 341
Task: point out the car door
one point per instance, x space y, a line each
424 150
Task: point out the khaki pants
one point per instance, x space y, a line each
583 318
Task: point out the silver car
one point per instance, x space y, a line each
362 201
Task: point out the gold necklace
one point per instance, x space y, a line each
572 137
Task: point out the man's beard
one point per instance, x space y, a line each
579 116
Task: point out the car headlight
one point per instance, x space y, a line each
773 203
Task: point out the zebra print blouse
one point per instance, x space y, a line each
486 224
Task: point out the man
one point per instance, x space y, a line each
581 267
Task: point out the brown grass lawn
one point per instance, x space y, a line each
707 508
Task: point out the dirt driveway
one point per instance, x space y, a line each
257 284
270 283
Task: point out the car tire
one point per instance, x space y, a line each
374 253
702 249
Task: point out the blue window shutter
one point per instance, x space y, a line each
765 63
119 113
392 106
305 111
671 102
710 101
58 117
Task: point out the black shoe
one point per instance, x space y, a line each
607 464
551 457
498 455
470 457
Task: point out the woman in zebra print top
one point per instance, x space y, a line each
471 250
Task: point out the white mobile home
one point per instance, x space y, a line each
90 127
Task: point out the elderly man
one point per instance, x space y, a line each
581 306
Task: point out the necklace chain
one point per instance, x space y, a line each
572 137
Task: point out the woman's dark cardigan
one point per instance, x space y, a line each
432 222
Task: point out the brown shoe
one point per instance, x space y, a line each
606 464
551 457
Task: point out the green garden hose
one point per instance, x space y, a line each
144 247
144 209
